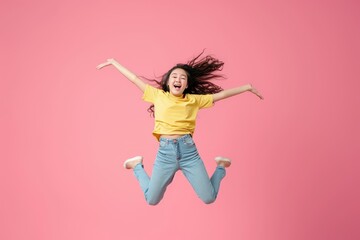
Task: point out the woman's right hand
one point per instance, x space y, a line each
108 62
124 71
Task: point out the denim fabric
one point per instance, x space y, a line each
173 155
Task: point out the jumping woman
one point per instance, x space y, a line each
183 90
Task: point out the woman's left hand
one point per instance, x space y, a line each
256 92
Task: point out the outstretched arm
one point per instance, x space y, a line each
235 91
124 71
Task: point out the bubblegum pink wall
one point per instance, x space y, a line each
66 127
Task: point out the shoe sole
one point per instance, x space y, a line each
224 159
137 158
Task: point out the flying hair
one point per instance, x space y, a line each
200 71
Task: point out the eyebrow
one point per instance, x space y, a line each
181 74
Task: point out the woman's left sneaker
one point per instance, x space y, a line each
223 161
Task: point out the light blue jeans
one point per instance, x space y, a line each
173 155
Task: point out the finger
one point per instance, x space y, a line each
102 65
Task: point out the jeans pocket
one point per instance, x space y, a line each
162 144
189 142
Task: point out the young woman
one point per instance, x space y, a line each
183 90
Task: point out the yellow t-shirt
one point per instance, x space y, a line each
175 115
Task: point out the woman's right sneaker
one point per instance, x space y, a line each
132 162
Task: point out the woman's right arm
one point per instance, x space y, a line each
124 71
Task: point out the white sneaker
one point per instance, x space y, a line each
223 160
132 162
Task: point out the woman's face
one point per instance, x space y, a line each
178 82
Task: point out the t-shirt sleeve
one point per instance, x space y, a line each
150 94
205 101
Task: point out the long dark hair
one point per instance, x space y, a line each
199 70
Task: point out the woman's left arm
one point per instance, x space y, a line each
235 91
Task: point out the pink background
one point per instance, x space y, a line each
66 127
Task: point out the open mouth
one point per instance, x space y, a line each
177 86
